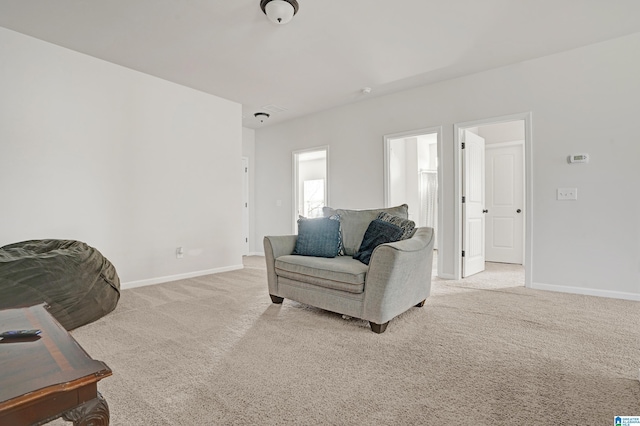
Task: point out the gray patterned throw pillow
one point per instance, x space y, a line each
408 226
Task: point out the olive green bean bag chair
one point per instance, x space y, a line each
76 280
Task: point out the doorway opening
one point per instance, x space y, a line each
493 193
310 183
412 177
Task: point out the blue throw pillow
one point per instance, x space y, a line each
378 232
318 237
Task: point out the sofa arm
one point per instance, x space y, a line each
399 276
274 247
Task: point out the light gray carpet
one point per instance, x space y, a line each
483 351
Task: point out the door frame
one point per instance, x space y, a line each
387 178
528 199
246 214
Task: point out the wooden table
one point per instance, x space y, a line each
48 376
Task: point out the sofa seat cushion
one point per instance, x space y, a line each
338 273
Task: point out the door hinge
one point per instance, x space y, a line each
462 253
246 169
246 240
463 145
464 199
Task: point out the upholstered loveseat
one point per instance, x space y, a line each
396 278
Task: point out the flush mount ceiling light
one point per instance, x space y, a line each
261 116
279 11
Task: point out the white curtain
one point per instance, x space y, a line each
429 199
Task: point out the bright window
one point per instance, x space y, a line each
313 197
310 183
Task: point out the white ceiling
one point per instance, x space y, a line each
328 53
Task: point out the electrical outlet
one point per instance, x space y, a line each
179 253
567 194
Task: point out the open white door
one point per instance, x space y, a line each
505 203
473 195
245 206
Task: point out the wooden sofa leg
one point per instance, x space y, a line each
276 299
421 304
378 328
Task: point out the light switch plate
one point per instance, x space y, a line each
564 194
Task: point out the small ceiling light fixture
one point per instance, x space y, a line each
261 116
279 11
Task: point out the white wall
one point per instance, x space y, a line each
428 152
584 100
503 132
132 165
411 177
407 157
397 174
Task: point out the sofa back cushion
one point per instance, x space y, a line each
354 223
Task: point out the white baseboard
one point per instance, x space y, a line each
159 280
446 276
587 291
